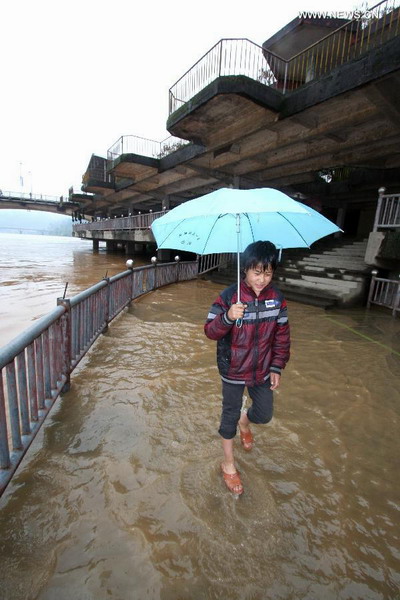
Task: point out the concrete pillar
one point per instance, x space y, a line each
138 248
164 255
236 182
341 213
130 248
166 203
95 245
110 246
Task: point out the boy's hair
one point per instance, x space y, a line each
264 253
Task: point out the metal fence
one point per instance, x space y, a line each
228 57
32 196
209 262
133 144
385 292
121 223
36 366
370 29
387 214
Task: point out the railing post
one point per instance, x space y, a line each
177 261
4 448
381 192
374 273
66 342
396 303
154 261
220 59
107 311
129 264
13 406
285 78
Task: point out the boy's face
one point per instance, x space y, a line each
258 278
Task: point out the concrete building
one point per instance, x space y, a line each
314 112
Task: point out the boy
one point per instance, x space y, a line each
251 355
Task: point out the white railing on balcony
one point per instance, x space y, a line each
121 223
385 292
133 144
387 214
229 57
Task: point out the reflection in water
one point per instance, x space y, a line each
34 270
121 495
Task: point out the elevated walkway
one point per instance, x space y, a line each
333 273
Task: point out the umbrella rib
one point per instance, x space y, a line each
295 228
210 232
171 232
250 225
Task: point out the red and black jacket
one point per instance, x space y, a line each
247 354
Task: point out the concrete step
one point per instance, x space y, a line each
307 296
345 282
339 284
342 263
326 272
345 252
312 286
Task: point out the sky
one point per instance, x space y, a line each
77 75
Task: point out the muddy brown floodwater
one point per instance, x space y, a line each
121 497
34 270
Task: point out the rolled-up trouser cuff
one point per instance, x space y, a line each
260 411
227 435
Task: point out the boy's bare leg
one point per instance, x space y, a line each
229 463
244 423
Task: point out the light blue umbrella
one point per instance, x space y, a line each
228 220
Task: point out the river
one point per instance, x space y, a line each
34 270
120 496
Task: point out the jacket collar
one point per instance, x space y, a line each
246 288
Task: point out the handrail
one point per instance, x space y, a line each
387 214
33 196
384 292
134 144
36 366
21 341
121 223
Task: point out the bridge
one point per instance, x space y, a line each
32 230
31 201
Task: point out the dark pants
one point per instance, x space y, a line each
260 411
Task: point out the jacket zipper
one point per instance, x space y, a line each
256 345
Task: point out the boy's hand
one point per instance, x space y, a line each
236 311
275 380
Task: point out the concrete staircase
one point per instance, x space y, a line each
333 273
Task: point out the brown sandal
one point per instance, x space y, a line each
232 481
247 440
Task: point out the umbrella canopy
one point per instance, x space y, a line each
228 220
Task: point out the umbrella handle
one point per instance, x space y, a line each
239 322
